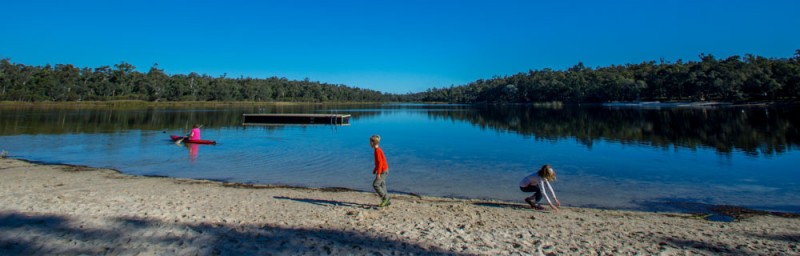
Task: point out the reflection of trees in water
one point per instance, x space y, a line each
766 131
62 120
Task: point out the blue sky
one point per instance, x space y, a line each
391 46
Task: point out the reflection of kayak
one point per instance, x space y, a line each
176 137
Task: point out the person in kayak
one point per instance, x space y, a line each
195 133
536 183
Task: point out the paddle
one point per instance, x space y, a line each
181 140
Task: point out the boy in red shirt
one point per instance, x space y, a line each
380 171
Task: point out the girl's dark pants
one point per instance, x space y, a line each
537 193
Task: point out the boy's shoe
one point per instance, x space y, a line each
388 203
383 203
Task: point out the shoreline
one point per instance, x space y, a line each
710 212
65 209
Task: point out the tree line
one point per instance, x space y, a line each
65 82
733 79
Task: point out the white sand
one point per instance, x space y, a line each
50 209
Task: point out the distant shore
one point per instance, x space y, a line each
62 209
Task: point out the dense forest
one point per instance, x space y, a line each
733 79
65 82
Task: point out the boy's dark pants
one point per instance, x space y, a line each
380 185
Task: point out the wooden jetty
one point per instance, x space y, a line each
282 119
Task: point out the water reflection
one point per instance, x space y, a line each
754 131
193 150
38 119
758 131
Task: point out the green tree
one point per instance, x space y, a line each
122 79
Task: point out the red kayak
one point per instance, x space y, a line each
176 137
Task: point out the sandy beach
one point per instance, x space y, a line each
60 209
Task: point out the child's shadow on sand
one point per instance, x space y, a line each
502 205
322 202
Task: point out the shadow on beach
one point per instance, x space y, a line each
322 202
41 234
502 205
711 212
703 247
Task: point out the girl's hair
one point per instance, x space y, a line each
547 173
196 126
375 138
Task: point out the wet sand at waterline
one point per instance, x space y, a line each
58 209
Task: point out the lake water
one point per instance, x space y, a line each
605 157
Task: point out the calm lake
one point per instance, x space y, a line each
605 157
